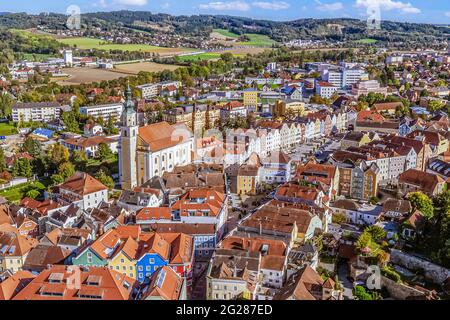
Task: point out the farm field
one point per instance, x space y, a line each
90 43
257 40
199 57
367 41
87 75
219 33
135 68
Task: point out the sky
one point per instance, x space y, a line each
424 11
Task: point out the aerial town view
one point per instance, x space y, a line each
230 150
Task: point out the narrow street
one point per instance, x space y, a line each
343 273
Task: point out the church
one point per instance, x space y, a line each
149 151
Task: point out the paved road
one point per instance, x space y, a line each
343 274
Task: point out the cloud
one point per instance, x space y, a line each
274 5
131 2
404 7
165 5
233 5
114 3
335 6
447 14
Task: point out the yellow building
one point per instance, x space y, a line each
14 248
124 261
296 107
355 139
248 180
251 98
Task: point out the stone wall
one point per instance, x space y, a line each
433 272
399 291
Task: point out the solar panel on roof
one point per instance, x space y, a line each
161 277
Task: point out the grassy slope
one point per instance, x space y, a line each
226 33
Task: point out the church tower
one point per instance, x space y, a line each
128 144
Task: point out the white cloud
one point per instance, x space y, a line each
165 5
335 6
114 3
274 5
404 7
233 5
447 14
131 2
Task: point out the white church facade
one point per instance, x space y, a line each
151 150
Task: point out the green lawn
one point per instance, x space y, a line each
7 129
199 57
257 40
19 192
36 56
90 43
367 41
226 33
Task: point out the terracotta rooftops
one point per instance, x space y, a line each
82 184
93 284
162 135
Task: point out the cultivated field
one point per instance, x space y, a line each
135 68
87 75
90 43
256 40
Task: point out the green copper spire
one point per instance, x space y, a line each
129 104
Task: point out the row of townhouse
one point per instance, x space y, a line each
138 254
272 136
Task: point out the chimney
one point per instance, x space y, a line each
260 228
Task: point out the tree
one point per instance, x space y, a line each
374 200
339 218
376 232
435 105
66 170
22 168
361 294
5 105
423 203
57 179
32 146
58 154
33 193
80 160
111 126
105 179
70 120
2 160
104 152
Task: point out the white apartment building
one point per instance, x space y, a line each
325 89
152 90
38 112
105 111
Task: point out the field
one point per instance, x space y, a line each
256 40
367 41
90 43
87 75
135 68
6 129
199 57
222 33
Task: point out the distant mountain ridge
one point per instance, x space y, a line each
341 29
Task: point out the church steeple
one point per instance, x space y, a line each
129 104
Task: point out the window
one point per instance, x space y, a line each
152 261
140 268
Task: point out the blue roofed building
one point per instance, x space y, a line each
42 134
